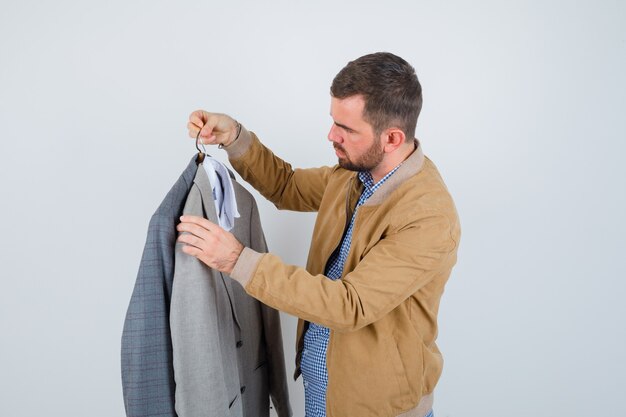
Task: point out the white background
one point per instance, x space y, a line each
523 113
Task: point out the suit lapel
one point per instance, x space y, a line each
208 204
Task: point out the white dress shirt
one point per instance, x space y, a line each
223 192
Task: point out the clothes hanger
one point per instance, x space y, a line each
201 155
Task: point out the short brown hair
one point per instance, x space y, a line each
389 85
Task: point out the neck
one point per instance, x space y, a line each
392 160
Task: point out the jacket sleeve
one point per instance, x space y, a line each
396 267
278 389
288 188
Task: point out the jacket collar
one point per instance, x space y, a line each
410 167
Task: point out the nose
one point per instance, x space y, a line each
334 135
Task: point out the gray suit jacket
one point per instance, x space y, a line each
146 356
227 346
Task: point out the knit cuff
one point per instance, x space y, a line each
240 145
246 266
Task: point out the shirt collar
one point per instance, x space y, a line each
368 181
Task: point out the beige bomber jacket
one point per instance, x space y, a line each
382 359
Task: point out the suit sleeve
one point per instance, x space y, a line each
278 389
288 188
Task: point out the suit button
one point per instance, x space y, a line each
243 389
239 344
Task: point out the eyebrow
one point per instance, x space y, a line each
344 126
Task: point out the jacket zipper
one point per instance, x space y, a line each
345 226
348 217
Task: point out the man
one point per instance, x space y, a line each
384 243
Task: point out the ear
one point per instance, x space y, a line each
392 139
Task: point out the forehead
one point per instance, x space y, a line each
349 109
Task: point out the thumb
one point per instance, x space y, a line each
207 130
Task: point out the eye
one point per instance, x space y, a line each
344 128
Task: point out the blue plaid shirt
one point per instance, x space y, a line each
313 363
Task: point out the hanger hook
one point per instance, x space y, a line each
200 157
197 141
197 137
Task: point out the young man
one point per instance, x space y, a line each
383 247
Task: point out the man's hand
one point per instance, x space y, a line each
214 128
209 243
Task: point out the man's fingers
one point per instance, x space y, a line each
208 242
198 117
199 121
191 239
192 250
196 230
210 128
196 252
202 222
193 129
207 131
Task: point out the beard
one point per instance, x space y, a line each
366 162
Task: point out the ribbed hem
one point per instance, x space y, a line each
245 266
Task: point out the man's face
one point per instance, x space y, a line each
353 138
